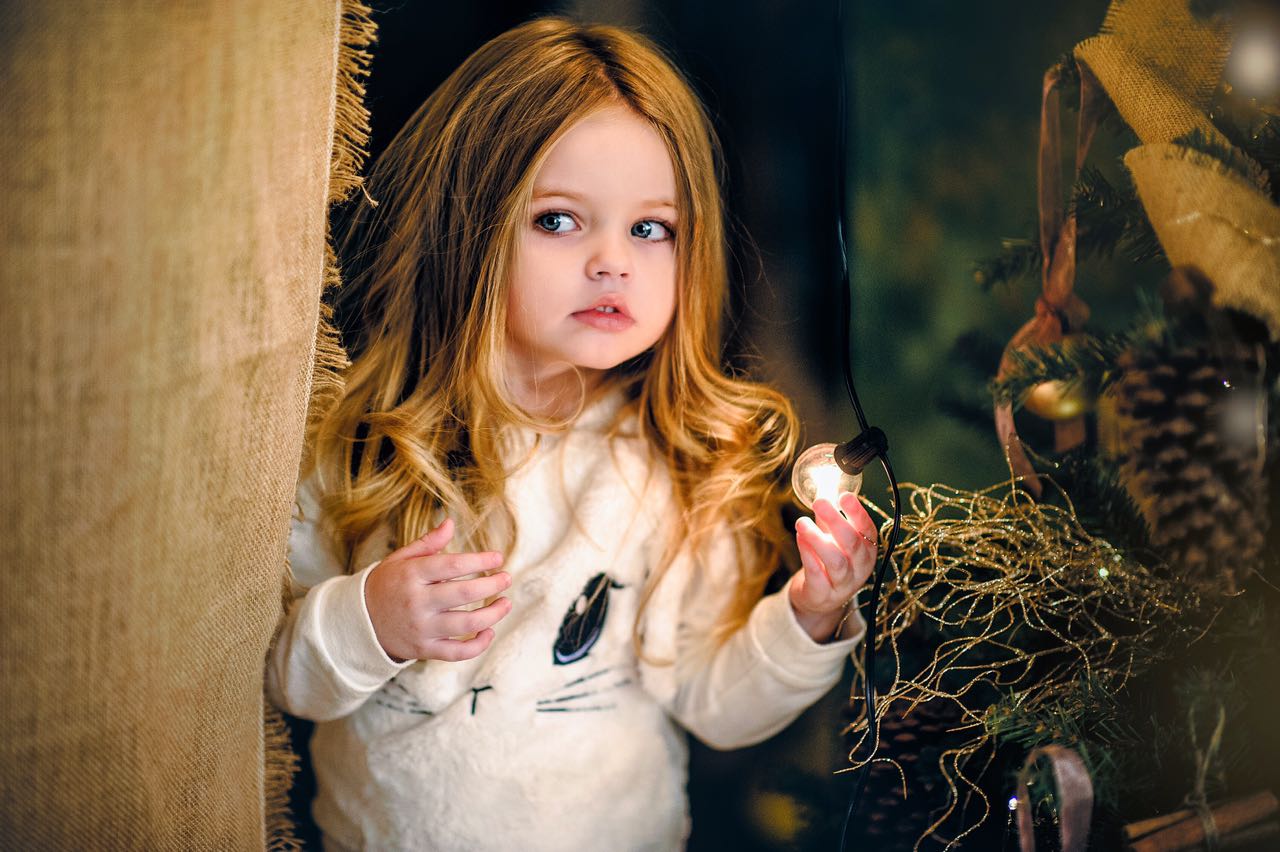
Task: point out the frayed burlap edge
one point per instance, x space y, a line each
279 764
350 148
346 159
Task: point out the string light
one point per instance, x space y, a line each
1254 66
824 470
816 475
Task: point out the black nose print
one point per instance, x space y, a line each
475 695
584 621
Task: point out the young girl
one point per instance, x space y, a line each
537 525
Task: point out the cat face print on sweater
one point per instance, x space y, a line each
584 687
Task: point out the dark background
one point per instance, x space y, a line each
941 152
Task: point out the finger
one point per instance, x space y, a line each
453 650
818 513
858 517
433 542
461 622
458 593
838 527
833 559
814 576
809 538
446 566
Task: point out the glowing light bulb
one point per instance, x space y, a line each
1254 65
816 474
1013 803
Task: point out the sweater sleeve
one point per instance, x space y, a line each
326 660
754 684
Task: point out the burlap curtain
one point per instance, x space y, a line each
166 170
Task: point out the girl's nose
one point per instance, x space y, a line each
610 257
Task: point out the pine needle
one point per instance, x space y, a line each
1083 358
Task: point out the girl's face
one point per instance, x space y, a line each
595 276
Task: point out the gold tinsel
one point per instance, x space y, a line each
1028 603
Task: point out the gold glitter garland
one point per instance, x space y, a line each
1029 605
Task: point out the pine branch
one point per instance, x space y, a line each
1110 218
1085 358
1084 716
1018 259
1103 505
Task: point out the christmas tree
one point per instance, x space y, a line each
1090 648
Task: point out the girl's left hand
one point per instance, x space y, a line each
839 554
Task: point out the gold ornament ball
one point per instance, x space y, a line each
1059 400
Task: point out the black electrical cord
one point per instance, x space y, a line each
869 655
874 438
842 200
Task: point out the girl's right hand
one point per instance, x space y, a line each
413 593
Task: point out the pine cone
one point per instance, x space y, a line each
1188 423
915 741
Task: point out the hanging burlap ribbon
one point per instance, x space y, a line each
1161 65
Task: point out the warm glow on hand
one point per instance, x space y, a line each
826 482
838 552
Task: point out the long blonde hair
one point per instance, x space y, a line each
418 425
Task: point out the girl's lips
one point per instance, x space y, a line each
604 321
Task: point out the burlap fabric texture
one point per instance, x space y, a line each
167 168
1160 65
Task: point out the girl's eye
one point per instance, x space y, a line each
652 229
555 223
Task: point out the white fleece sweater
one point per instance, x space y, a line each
557 737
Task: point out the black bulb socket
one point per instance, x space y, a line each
853 456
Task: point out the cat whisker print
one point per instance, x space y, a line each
588 677
394 696
561 704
